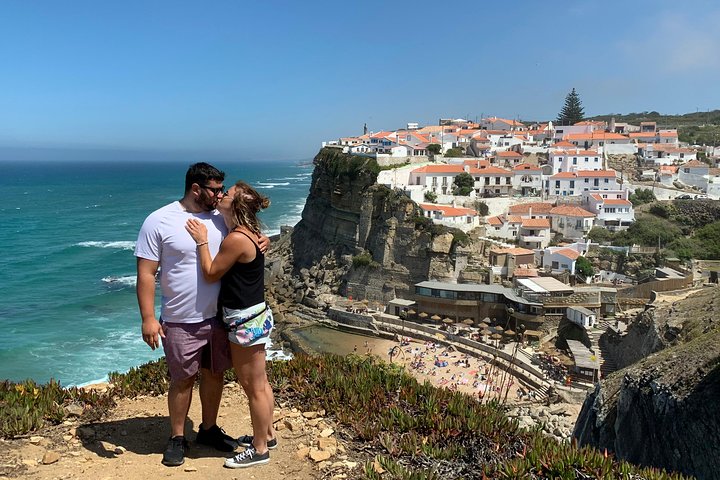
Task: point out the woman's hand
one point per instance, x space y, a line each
263 243
197 230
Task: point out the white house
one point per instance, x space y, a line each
567 160
597 139
534 233
532 209
503 226
666 154
568 184
560 131
463 218
613 208
582 316
527 179
436 178
491 181
495 123
668 174
694 173
571 222
560 259
508 157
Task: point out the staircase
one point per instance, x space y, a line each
607 364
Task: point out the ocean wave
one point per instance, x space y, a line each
274 184
122 245
127 281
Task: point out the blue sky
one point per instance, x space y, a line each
271 80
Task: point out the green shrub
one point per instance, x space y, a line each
362 260
430 196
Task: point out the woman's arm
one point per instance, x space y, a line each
213 269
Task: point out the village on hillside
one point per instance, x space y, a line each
532 193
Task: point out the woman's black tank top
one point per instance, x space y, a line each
243 285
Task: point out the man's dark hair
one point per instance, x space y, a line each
201 173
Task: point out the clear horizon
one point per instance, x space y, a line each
231 80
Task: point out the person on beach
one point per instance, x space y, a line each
240 267
193 339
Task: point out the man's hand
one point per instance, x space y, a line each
263 243
151 332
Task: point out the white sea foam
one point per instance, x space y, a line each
130 280
274 184
122 245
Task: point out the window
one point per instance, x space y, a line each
417 180
444 181
572 183
575 161
557 183
587 180
597 160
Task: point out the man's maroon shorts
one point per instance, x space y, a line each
191 346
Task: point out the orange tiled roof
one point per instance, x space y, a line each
449 169
616 201
492 170
564 144
526 167
508 153
571 211
514 219
537 207
525 272
695 163
568 252
512 251
495 221
595 136
448 210
536 223
668 134
585 174
589 153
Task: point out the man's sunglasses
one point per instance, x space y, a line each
216 190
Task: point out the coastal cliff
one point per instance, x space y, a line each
365 239
661 411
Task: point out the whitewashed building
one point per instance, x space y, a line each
571 222
582 316
613 208
567 160
463 218
527 179
569 184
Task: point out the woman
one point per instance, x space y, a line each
240 266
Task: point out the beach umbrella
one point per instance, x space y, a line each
496 336
486 320
483 325
499 329
509 333
468 321
435 318
423 315
447 321
486 331
411 312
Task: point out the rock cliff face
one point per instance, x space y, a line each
347 216
662 411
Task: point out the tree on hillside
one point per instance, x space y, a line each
463 184
434 148
584 267
642 196
454 152
572 112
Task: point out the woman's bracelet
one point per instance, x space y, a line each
202 243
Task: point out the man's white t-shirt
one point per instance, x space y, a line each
186 296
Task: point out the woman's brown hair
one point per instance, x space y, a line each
246 203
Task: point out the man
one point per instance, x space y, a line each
194 340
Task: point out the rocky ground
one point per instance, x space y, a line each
129 442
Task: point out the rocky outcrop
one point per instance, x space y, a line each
661 411
375 238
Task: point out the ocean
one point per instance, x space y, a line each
68 309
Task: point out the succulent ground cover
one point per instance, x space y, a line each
401 429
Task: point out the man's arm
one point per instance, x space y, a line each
151 328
